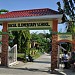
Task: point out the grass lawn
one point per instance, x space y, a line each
20 56
38 54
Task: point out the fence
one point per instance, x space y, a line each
12 55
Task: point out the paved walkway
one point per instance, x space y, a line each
40 66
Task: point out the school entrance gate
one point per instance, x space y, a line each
31 19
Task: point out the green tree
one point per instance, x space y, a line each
43 39
68 11
24 41
3 11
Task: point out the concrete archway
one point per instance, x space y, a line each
72 42
12 20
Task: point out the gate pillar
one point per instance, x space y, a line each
73 46
54 46
73 43
4 54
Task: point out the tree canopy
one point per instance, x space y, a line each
3 10
68 9
43 39
68 12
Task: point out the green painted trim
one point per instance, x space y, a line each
0 42
35 29
4 33
66 33
61 33
16 29
0 33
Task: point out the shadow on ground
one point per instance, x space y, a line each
35 70
42 62
38 70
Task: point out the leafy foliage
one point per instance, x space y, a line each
3 10
68 11
43 40
22 39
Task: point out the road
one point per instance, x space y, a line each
40 66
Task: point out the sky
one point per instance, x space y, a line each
14 5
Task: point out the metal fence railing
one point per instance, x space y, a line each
12 55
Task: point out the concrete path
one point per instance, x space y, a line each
40 66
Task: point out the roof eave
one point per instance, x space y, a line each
57 16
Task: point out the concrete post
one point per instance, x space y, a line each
73 44
4 55
54 53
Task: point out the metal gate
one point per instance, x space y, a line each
12 55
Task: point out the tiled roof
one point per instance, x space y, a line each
29 13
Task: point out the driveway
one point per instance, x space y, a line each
40 66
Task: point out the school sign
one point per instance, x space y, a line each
31 25
65 37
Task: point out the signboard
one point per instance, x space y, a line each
37 24
65 37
